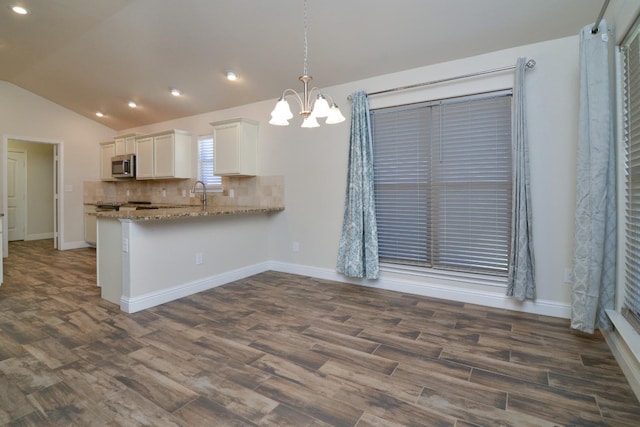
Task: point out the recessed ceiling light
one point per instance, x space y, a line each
132 104
175 92
20 10
231 76
99 114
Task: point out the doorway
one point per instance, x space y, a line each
31 197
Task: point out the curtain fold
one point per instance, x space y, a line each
358 250
521 279
594 250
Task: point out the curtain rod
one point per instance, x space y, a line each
530 64
594 30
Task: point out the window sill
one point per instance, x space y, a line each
472 278
626 331
210 189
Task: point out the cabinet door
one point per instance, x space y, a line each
130 145
164 152
227 150
144 158
120 148
90 226
107 151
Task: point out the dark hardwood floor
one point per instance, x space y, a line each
277 349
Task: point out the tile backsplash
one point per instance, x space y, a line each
262 191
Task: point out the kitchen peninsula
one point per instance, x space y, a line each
152 256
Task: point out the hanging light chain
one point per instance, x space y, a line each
306 50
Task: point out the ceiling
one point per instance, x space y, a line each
90 55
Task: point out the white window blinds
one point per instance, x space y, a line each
631 308
206 163
443 183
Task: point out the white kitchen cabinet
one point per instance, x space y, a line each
144 157
107 151
235 147
90 226
125 144
164 155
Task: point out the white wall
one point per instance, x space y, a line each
314 163
28 117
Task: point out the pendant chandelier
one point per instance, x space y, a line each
313 104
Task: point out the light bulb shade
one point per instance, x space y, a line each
310 122
320 107
335 116
282 111
278 121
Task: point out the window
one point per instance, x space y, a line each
206 163
443 183
631 136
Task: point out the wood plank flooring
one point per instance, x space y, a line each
277 349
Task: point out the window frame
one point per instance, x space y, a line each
625 111
214 183
460 275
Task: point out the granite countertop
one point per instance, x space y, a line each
184 212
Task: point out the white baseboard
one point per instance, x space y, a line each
152 299
39 236
489 299
64 246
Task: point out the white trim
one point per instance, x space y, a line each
152 299
64 246
624 343
489 299
39 236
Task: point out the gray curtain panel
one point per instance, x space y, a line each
358 251
521 280
594 249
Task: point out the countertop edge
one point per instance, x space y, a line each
184 212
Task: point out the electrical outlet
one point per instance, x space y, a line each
295 247
199 258
164 192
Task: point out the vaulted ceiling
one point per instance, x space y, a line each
90 55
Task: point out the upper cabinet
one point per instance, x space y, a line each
164 155
236 147
125 144
107 151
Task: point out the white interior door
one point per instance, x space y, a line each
16 195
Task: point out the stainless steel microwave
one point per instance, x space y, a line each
123 166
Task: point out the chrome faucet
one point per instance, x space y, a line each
204 193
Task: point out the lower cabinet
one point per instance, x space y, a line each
90 226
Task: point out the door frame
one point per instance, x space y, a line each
57 180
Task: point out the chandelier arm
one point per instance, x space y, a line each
310 98
284 94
